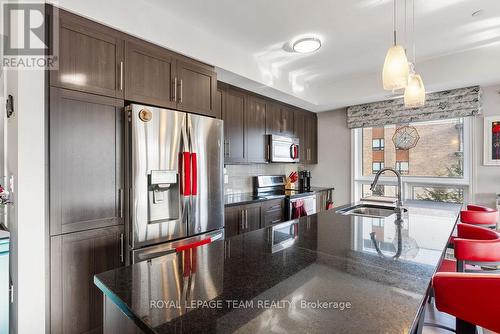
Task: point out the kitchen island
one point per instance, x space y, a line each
328 272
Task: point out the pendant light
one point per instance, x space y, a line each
395 71
415 90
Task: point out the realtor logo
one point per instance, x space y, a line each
25 36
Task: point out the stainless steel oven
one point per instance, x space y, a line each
309 203
283 149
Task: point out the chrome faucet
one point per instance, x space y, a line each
399 203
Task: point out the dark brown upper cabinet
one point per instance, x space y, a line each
311 134
287 121
233 114
306 129
273 119
90 57
279 120
86 161
255 126
76 304
219 102
197 88
159 77
300 132
150 72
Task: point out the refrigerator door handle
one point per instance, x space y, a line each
186 170
194 171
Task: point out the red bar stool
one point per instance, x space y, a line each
474 299
475 247
479 215
467 237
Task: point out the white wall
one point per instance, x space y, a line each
487 178
334 155
26 164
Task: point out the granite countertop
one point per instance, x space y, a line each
248 198
318 274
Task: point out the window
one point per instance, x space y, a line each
438 194
439 151
378 144
376 166
439 162
402 167
380 190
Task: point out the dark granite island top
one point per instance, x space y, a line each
319 274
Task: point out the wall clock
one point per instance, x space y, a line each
405 137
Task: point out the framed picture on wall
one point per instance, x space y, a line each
491 141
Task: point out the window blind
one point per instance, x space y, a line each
462 102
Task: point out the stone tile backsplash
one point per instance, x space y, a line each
238 178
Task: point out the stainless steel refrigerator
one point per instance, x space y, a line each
174 174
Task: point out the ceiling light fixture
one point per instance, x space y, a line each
306 45
395 71
415 90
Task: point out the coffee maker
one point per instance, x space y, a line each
305 180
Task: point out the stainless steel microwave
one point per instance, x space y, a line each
283 149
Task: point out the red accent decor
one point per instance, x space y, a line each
479 215
194 167
473 243
193 245
187 173
470 297
298 209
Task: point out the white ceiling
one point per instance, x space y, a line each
247 42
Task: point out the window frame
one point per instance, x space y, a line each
381 147
409 182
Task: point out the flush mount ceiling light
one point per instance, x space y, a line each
395 71
306 45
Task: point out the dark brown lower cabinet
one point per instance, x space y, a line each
76 303
273 212
242 218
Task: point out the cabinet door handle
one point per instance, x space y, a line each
229 147
268 152
242 221
122 257
180 94
275 221
121 76
120 199
175 89
246 219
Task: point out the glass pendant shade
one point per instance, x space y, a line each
396 70
414 92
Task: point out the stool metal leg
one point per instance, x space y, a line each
464 327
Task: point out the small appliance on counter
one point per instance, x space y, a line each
305 180
273 186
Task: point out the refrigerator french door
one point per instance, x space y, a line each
175 178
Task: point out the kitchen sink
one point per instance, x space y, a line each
369 210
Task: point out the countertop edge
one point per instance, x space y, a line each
122 306
259 200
